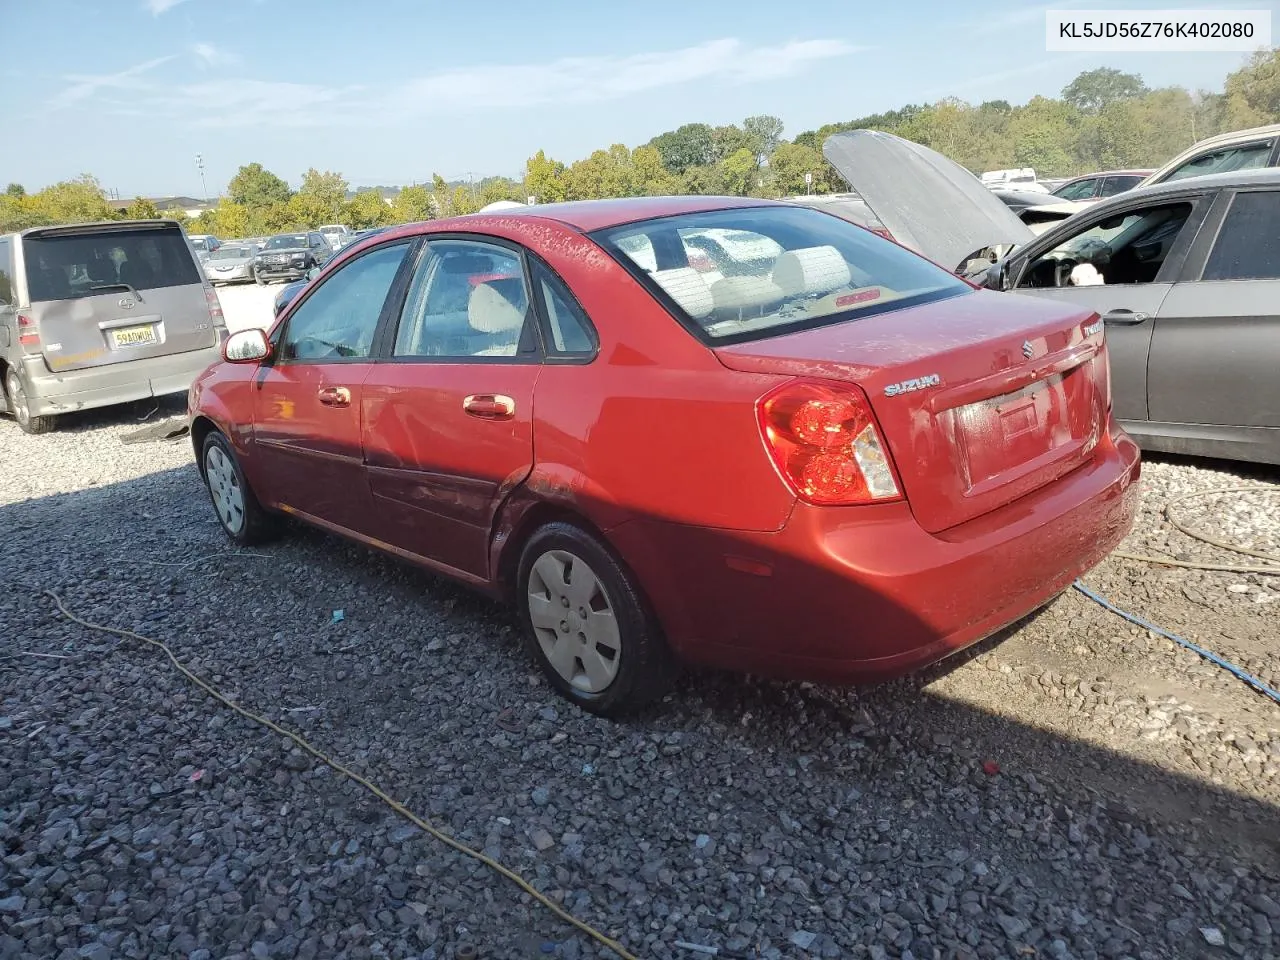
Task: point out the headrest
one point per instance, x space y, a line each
498 306
686 287
811 271
745 293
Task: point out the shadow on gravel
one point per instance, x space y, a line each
875 733
139 412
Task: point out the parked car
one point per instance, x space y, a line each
841 466
291 256
204 244
846 206
101 313
286 295
335 233
231 263
1095 186
1227 152
1184 274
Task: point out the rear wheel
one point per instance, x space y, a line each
20 407
586 624
243 519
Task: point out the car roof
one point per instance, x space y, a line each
1113 173
103 226
1258 177
589 215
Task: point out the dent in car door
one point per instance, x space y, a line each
448 418
1216 350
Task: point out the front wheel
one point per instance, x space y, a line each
259 281
20 407
243 519
586 624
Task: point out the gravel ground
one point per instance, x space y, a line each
1074 788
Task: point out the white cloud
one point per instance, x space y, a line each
209 55
583 79
158 7
85 86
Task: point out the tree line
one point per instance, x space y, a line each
1104 119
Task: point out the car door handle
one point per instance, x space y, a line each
489 406
1125 316
334 396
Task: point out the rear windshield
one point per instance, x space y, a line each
200 243
61 267
288 242
747 273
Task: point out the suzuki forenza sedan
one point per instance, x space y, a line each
738 433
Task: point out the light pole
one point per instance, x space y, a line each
203 185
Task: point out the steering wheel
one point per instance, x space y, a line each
1062 271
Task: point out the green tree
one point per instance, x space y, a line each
72 201
15 190
254 186
790 162
227 219
141 209
765 132
412 204
366 209
690 145
1253 91
1094 89
704 180
320 198
730 139
738 172
545 179
651 177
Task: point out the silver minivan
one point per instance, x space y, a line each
101 313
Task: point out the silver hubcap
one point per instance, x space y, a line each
224 485
18 397
574 621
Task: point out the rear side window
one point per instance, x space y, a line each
570 328
6 271
1114 185
1246 156
746 273
1248 247
61 267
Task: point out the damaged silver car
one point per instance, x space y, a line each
1185 275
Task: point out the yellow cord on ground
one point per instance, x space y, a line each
1273 570
395 805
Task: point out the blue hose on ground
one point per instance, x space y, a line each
1209 655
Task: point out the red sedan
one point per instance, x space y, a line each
733 432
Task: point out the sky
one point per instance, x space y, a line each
392 91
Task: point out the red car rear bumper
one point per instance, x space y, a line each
855 594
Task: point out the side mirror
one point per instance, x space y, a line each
313 273
247 346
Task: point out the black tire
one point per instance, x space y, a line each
255 524
16 400
259 281
645 668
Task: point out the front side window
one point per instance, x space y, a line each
1248 247
1080 190
64 266
468 299
338 320
1246 156
1125 248
745 273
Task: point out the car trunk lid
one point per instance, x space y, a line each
981 398
927 202
107 293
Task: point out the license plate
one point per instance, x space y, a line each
133 336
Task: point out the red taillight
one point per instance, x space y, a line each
215 305
823 439
28 332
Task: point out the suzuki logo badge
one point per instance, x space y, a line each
1028 350
126 303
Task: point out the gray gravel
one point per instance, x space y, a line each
1072 789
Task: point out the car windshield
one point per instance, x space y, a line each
230 253
200 243
287 241
744 273
90 264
